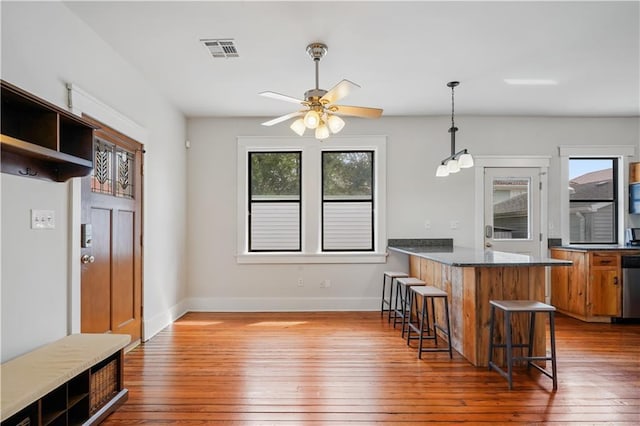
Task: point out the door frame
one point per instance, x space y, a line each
81 102
531 161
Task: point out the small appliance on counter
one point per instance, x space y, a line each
632 237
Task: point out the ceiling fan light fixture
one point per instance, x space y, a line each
335 123
312 119
322 131
298 127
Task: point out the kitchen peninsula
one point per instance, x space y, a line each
472 277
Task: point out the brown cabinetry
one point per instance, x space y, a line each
591 289
41 140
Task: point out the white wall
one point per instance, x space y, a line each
415 145
45 46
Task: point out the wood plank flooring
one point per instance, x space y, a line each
336 368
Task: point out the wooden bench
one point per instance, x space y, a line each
75 380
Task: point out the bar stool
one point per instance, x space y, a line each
428 293
391 276
399 312
526 306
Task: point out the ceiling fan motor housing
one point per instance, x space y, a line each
313 95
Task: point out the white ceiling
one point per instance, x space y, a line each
401 53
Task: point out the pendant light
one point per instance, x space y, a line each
457 160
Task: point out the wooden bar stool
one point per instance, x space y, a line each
391 276
428 293
402 295
522 306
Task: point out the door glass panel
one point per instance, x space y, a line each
511 208
126 168
101 176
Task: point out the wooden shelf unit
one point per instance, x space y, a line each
41 140
34 394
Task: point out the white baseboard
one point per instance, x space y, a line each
152 326
283 304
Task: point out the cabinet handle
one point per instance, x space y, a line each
615 280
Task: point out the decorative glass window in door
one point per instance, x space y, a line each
113 170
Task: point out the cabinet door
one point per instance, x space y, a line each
605 292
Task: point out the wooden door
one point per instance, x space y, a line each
111 288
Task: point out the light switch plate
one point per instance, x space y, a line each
43 219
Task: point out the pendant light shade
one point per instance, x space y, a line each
442 171
465 161
457 160
298 126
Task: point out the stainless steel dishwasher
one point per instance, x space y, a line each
630 286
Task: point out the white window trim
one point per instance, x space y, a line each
311 198
622 153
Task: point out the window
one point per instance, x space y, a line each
304 201
274 201
593 200
347 200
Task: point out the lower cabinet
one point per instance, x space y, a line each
591 289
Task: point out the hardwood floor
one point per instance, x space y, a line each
352 367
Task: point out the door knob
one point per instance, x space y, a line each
87 259
488 244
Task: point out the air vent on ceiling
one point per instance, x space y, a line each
221 48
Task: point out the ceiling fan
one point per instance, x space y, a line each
320 112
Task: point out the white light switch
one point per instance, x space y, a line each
43 219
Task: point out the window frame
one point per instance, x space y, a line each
372 200
311 198
615 200
250 201
622 152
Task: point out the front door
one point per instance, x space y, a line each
111 280
512 209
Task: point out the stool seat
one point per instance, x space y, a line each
392 274
522 305
429 291
410 281
530 307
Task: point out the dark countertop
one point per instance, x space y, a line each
597 247
463 256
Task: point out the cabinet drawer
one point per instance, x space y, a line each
604 260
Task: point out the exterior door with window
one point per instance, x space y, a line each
512 209
111 272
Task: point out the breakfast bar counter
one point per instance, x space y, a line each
472 278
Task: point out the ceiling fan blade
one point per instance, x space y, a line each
339 91
281 97
357 111
283 118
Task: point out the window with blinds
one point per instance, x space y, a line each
275 201
347 200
